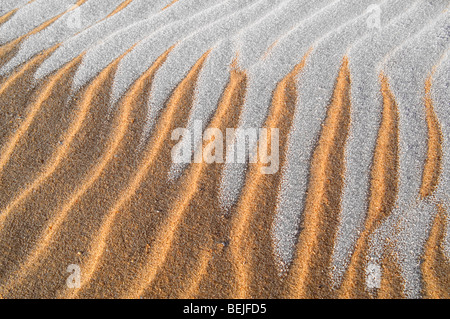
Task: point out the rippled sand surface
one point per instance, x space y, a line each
91 92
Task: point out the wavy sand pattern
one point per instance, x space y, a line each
91 92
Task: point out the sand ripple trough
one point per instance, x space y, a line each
92 90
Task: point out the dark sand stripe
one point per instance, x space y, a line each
16 144
203 226
251 237
435 265
310 272
179 105
16 91
182 96
19 223
392 283
122 6
22 132
383 193
169 5
433 163
89 210
118 134
14 44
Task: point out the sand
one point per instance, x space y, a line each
359 207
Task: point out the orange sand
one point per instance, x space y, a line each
74 190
